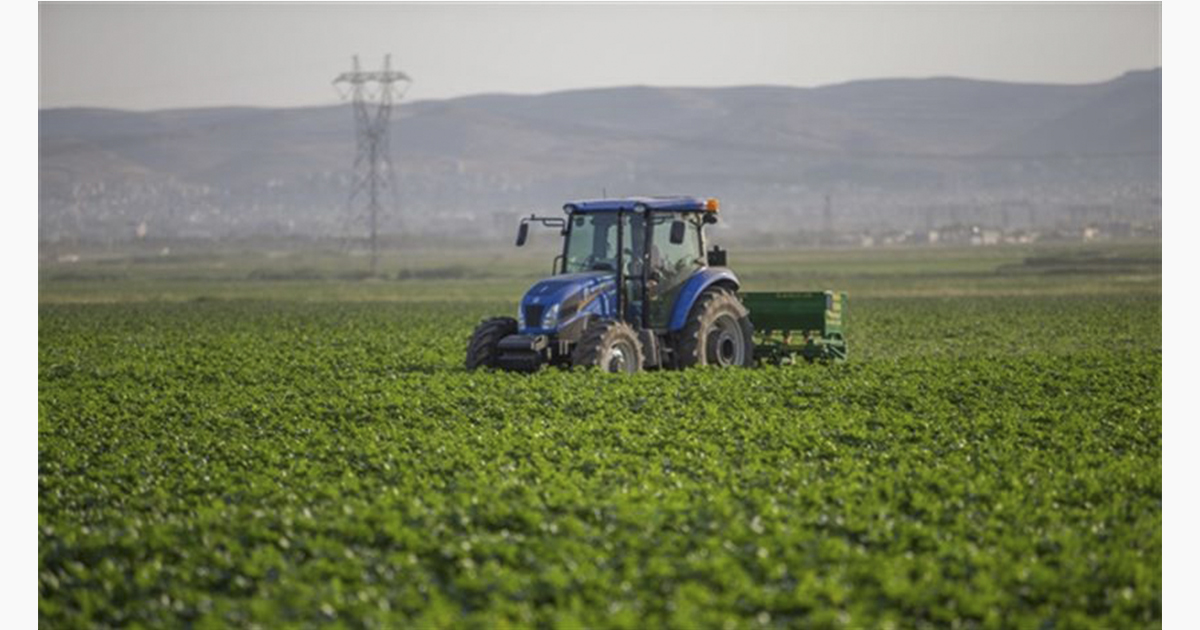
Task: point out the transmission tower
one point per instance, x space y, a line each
372 94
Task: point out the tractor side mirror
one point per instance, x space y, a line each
678 232
716 257
522 234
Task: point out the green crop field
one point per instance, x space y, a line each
262 440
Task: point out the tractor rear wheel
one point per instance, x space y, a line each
483 350
718 332
609 345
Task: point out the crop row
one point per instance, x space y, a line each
991 464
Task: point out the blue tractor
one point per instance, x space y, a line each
634 288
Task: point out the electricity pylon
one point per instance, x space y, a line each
372 94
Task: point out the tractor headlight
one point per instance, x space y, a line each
520 317
550 319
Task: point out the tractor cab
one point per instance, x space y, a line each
664 248
633 288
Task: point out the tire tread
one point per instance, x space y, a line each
481 351
690 349
590 348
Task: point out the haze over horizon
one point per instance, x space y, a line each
895 117
169 56
896 154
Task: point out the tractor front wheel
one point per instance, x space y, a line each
483 349
718 332
609 345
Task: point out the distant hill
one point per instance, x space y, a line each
1125 117
888 152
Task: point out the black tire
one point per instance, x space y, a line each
482 351
718 332
609 345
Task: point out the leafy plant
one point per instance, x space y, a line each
986 462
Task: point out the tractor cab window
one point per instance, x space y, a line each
676 259
592 245
671 264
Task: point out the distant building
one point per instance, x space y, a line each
985 236
1021 237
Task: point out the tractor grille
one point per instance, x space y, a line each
533 315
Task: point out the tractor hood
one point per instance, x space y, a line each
557 300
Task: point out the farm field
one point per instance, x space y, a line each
246 440
502 273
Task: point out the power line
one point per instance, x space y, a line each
372 94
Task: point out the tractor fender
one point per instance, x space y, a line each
701 280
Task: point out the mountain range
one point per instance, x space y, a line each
893 152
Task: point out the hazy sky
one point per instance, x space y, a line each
150 56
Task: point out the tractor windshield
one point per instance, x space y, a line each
592 244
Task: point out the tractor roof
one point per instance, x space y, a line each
674 204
